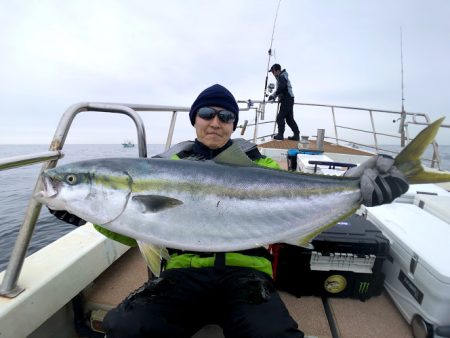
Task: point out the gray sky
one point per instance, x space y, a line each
56 53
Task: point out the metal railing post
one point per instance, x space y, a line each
262 107
171 129
9 287
373 130
276 118
334 124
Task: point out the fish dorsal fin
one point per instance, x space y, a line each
177 148
152 255
234 155
155 203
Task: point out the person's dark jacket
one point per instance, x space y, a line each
284 87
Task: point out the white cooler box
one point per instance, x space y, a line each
421 190
418 266
438 206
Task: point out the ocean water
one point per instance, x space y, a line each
17 186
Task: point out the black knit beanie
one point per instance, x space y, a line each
217 96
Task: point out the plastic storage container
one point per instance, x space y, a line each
418 269
292 159
346 262
438 206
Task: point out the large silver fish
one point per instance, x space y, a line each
226 205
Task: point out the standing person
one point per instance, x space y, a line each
286 97
234 290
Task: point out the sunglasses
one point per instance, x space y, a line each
208 113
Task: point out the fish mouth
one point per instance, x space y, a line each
51 189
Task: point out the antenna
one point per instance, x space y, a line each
401 127
401 61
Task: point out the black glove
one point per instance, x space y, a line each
271 98
63 215
381 181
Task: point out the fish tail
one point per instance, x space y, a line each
408 160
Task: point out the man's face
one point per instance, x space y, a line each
276 72
213 133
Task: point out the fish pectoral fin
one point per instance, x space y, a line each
152 255
156 203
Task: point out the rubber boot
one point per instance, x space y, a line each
278 137
296 137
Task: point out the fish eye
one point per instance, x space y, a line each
71 179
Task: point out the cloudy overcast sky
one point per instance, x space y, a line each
56 53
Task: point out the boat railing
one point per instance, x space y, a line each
9 287
403 118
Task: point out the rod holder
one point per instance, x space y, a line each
320 139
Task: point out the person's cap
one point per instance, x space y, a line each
217 96
275 66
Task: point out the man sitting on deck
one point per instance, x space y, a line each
200 288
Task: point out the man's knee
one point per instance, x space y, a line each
117 323
139 320
138 313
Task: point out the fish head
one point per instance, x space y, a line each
92 191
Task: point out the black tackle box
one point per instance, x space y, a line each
346 261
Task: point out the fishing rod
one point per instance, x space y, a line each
270 55
401 127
